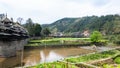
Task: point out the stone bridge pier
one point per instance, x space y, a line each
9 48
20 44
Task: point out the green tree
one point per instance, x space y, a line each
34 29
96 36
37 29
115 39
30 26
46 31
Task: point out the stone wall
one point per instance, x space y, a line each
9 48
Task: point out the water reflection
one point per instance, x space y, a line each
45 56
51 54
51 57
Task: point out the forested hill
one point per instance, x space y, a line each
109 24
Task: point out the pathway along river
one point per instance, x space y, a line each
34 56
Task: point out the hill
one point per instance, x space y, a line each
109 24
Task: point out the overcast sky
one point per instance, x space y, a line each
48 11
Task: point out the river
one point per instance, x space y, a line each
34 56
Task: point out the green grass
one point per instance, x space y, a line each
57 41
111 66
61 41
92 57
54 65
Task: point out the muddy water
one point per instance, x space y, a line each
37 55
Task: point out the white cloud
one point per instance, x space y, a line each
48 11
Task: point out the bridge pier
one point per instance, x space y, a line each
20 44
9 48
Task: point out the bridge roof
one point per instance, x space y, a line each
1 33
6 20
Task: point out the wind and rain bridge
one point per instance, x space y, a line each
13 36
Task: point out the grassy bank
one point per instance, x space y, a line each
58 41
54 65
92 57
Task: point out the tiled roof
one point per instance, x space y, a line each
6 20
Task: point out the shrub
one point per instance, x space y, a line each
115 39
96 36
117 60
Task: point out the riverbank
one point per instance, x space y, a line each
56 46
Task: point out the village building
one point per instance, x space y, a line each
86 33
57 34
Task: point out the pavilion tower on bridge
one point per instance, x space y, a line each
12 36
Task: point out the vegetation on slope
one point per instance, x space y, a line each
109 24
95 56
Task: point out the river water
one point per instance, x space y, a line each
34 56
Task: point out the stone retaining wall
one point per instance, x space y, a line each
85 65
103 61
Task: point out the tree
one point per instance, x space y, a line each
11 19
20 20
30 26
37 29
115 39
46 31
34 29
96 36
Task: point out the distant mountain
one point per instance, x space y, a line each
109 24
